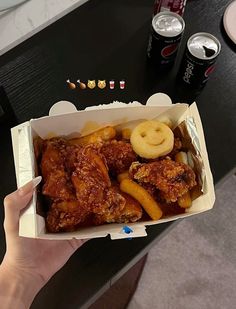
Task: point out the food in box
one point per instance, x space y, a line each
140 186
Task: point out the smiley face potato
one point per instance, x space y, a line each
152 139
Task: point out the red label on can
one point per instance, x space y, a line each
169 50
209 70
176 6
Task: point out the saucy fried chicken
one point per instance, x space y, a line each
77 183
56 179
119 156
173 179
65 216
90 179
65 212
130 211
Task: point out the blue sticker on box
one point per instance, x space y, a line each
127 230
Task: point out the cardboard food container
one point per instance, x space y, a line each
65 120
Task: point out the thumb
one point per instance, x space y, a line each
15 202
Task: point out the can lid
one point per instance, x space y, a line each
168 24
204 46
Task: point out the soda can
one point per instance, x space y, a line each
166 32
176 6
199 60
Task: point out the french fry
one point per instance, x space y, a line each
143 197
126 133
102 135
181 157
123 176
185 200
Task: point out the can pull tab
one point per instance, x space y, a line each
61 108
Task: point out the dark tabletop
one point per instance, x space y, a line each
107 40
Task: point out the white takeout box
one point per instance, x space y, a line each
64 119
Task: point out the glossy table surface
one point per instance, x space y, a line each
107 40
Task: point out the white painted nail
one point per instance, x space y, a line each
36 181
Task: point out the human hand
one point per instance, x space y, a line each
30 261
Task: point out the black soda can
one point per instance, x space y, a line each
198 61
166 32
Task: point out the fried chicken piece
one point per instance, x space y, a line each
119 156
173 179
65 212
65 216
69 169
70 155
52 155
56 180
113 203
77 182
130 211
90 179
151 189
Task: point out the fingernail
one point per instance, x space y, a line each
36 181
26 189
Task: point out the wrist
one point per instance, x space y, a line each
17 287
